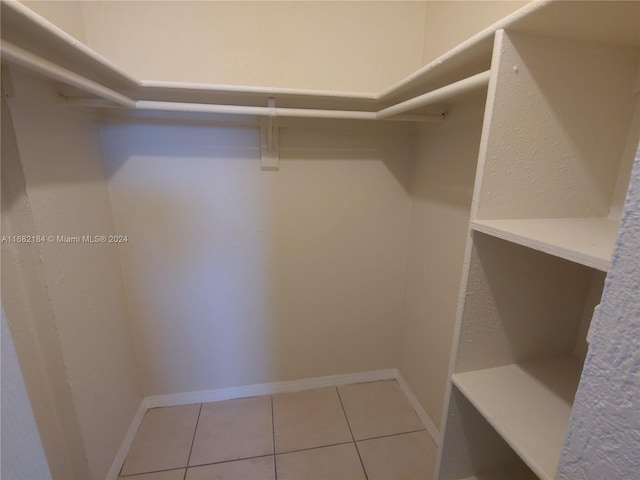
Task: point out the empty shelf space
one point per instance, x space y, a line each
529 405
588 241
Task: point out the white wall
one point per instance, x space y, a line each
67 193
603 437
31 320
238 276
441 191
66 14
347 46
22 456
449 23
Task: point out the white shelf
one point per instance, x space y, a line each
25 29
613 23
608 23
583 20
250 95
588 241
528 404
34 36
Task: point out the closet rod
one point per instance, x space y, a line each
44 67
475 82
277 111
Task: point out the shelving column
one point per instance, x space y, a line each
553 162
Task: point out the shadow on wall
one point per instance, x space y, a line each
441 191
301 139
238 276
195 262
56 168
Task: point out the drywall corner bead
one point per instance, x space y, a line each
602 440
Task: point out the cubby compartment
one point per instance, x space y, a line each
522 344
475 451
560 133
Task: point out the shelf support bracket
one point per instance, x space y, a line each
269 155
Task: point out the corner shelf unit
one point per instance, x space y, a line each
560 131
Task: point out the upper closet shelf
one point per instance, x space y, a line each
23 31
419 97
248 101
24 28
612 23
588 241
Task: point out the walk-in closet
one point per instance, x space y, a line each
320 240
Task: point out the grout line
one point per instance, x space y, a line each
392 435
262 456
344 412
132 475
281 453
193 440
314 448
353 440
273 432
231 461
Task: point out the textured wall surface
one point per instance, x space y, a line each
533 104
31 320
604 434
65 182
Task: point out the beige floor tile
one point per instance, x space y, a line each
232 430
261 468
339 462
308 419
166 475
410 456
163 440
378 408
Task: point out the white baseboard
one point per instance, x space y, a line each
426 419
118 461
204 396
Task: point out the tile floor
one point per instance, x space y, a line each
365 431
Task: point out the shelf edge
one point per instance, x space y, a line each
551 249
